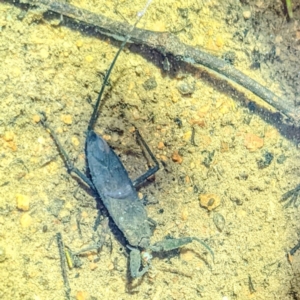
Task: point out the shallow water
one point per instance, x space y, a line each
46 66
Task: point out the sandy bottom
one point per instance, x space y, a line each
223 166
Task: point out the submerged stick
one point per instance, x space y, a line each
60 246
168 44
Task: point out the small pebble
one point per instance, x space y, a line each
93 266
186 255
59 130
41 140
89 58
8 136
166 65
12 145
106 137
281 159
186 87
25 220
75 141
224 147
90 256
243 175
45 228
219 221
36 118
187 179
184 214
150 84
110 266
114 137
247 14
164 158
160 145
21 15
187 135
220 42
84 214
209 201
132 129
82 295
131 86
266 160
198 121
176 157
135 114
252 142
67 119
22 202
138 70
79 43
44 53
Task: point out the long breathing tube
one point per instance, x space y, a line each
93 119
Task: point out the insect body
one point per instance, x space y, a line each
119 196
118 193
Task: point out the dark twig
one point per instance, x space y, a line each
63 264
251 286
168 44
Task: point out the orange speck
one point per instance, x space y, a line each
8 136
79 43
160 145
36 118
205 141
224 147
253 142
67 119
176 157
199 122
93 266
82 295
219 42
12 145
163 158
132 129
22 202
290 258
209 201
84 214
187 179
106 137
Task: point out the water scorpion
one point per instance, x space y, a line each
110 180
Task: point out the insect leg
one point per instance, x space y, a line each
291 197
152 170
70 167
173 243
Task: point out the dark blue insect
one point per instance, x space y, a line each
110 180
